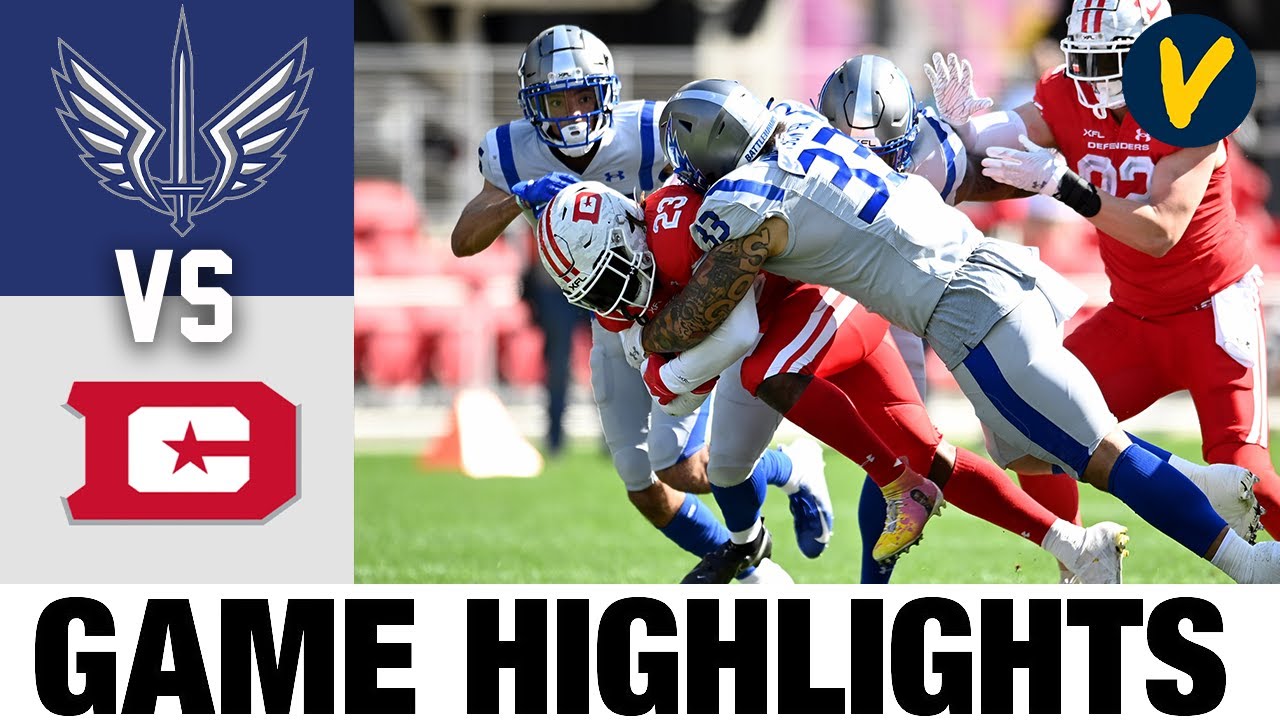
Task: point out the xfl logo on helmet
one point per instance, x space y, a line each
184 451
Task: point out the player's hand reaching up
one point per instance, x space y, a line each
1036 169
952 81
535 194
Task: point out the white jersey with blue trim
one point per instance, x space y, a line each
881 237
938 155
630 154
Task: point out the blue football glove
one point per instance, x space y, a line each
534 194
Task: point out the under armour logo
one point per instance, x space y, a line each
1142 136
610 176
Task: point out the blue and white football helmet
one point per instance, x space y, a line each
869 99
710 127
561 58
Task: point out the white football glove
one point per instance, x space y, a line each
1036 169
952 81
633 345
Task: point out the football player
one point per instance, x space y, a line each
576 126
1185 311
869 99
786 346
818 207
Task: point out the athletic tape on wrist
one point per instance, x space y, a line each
1078 194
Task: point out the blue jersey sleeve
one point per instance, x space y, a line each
735 207
944 160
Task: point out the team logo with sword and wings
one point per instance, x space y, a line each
117 136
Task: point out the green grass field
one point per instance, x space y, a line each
574 525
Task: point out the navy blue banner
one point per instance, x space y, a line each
158 125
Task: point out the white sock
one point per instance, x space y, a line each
1062 539
792 485
742 537
1187 468
1232 557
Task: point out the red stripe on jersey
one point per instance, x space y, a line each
821 325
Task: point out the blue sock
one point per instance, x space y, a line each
695 528
773 469
1165 498
740 504
1159 452
871 509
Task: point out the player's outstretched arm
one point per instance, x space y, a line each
1156 224
483 219
976 187
720 282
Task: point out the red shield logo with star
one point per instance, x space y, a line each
184 451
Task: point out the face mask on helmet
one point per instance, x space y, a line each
1099 35
1100 66
621 283
591 240
561 64
895 153
561 121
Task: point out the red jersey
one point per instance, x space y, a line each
668 214
1120 159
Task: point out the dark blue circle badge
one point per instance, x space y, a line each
1189 80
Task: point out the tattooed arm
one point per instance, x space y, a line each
722 279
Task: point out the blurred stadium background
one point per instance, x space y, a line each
432 77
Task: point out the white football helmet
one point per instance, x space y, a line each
591 240
1099 35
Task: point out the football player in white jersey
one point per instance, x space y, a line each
869 99
812 204
575 127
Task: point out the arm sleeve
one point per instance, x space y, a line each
944 161
994 129
722 348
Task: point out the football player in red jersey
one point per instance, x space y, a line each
1185 311
811 355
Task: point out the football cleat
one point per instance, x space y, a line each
811 508
728 561
910 501
1264 564
1101 550
767 572
1230 491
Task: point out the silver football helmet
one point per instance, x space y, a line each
1099 35
565 58
591 240
869 99
711 127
